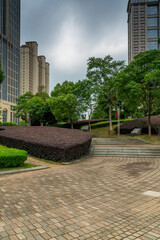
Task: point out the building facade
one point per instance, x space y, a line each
34 69
143 26
9 56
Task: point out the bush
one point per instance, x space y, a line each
10 157
22 123
57 144
106 123
8 124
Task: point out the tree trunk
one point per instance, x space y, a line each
110 117
89 122
71 124
149 123
41 124
149 116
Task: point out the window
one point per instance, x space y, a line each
152 33
142 36
135 30
135 48
152 22
142 30
135 6
135 36
151 10
142 42
135 42
135 19
142 48
152 45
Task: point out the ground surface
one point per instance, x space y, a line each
100 198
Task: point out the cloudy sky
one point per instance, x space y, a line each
68 32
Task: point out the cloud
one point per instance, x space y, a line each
70 31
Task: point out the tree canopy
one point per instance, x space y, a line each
101 72
138 84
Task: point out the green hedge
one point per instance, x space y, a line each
106 123
11 157
8 124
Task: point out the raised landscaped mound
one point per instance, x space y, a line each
47 142
142 123
10 157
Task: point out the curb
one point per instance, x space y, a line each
23 170
81 159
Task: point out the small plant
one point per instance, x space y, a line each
8 124
10 157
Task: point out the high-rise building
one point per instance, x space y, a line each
143 26
34 69
47 77
9 56
29 68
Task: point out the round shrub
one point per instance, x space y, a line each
10 157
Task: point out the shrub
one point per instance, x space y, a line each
10 157
8 124
57 144
106 123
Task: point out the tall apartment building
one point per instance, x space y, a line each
9 56
143 26
29 68
34 72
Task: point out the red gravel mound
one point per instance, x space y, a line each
47 142
127 127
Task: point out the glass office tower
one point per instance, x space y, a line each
143 26
9 56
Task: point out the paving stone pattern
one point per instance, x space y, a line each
100 198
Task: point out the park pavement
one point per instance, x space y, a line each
99 198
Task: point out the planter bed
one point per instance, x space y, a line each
51 143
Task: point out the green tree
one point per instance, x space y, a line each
65 107
65 88
101 72
22 105
34 108
139 83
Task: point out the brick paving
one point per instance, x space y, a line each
100 198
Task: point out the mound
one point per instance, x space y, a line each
47 142
127 127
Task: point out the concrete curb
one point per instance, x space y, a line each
81 159
23 170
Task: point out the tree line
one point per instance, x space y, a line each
109 83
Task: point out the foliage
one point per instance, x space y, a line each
8 124
35 106
106 123
138 84
101 72
22 105
10 157
51 143
65 88
65 107
47 118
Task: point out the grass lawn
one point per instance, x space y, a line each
104 132
25 165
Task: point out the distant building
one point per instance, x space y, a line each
9 56
34 72
143 26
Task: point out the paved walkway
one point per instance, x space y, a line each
100 198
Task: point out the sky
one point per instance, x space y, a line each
68 32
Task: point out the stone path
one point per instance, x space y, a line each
100 198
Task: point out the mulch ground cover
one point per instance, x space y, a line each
51 143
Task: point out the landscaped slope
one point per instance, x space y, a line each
47 142
127 127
